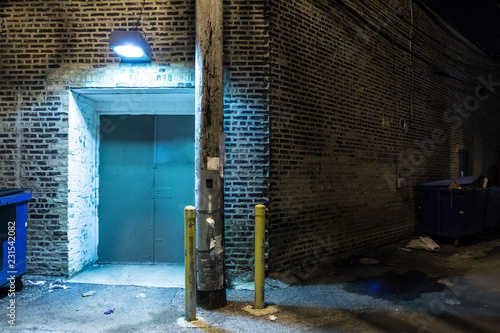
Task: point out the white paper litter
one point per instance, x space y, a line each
37 282
423 243
89 293
57 285
446 283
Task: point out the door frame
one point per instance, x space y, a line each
131 101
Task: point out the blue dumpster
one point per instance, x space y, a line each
452 213
457 213
493 209
13 223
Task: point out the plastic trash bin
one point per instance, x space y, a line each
13 223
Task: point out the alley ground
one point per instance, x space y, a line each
454 290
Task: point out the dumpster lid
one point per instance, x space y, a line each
10 191
469 180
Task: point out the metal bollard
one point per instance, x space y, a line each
260 228
190 262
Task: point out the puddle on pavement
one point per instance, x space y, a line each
392 286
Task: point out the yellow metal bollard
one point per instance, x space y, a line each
190 262
260 229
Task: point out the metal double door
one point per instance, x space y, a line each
146 178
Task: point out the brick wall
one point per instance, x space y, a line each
338 90
50 47
333 89
246 61
47 48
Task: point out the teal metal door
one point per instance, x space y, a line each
146 178
174 184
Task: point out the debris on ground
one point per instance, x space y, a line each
269 283
273 318
37 282
446 283
261 312
452 301
141 295
423 243
368 261
57 284
89 293
110 310
404 249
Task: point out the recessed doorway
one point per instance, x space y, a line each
131 173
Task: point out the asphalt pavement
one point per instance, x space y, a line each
398 290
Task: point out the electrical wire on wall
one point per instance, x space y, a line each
409 48
378 23
138 22
395 99
432 16
411 64
403 47
429 37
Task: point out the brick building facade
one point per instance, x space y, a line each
326 105
344 76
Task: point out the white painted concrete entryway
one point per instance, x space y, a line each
159 275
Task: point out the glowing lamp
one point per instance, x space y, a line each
130 46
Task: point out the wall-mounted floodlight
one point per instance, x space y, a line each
130 46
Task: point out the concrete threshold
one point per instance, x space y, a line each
158 275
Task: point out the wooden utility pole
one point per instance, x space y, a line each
209 111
